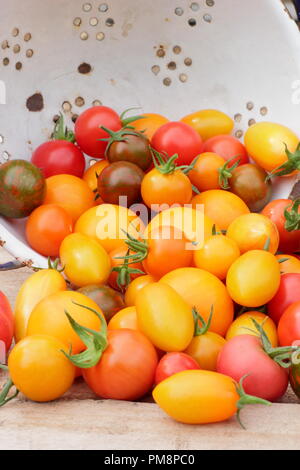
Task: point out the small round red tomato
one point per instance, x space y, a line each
59 157
227 147
178 138
47 227
6 321
289 325
120 183
284 216
88 130
126 368
174 362
287 293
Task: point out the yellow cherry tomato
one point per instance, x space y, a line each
254 278
222 207
37 287
149 124
125 318
217 255
265 142
91 174
243 325
197 396
205 349
203 290
209 122
252 231
205 174
164 317
291 265
135 286
49 318
107 223
39 369
85 261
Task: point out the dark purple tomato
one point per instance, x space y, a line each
133 148
106 298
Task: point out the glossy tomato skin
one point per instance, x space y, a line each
205 173
287 293
289 325
125 318
6 321
106 298
126 369
149 124
243 323
209 123
135 286
205 349
115 259
133 149
39 369
93 172
120 183
178 137
249 183
244 355
265 144
227 147
289 241
46 228
289 264
172 363
58 157
88 129
197 397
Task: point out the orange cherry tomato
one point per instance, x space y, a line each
203 290
291 265
252 231
71 193
91 174
209 122
116 262
107 223
222 207
205 349
205 174
243 325
150 123
39 369
125 318
46 228
135 286
217 255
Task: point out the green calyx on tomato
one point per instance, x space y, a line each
246 399
292 163
61 132
124 271
119 136
95 341
6 388
281 355
166 165
225 172
129 120
292 216
201 330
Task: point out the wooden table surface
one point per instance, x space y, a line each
81 421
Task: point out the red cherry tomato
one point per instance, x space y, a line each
6 321
178 137
288 293
174 362
289 325
289 241
58 157
227 147
88 129
244 355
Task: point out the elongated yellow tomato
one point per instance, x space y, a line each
135 286
39 369
243 325
36 288
85 260
203 290
197 396
164 317
254 278
107 223
265 143
209 122
49 318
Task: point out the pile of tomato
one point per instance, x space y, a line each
170 271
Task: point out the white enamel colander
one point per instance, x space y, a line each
167 56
